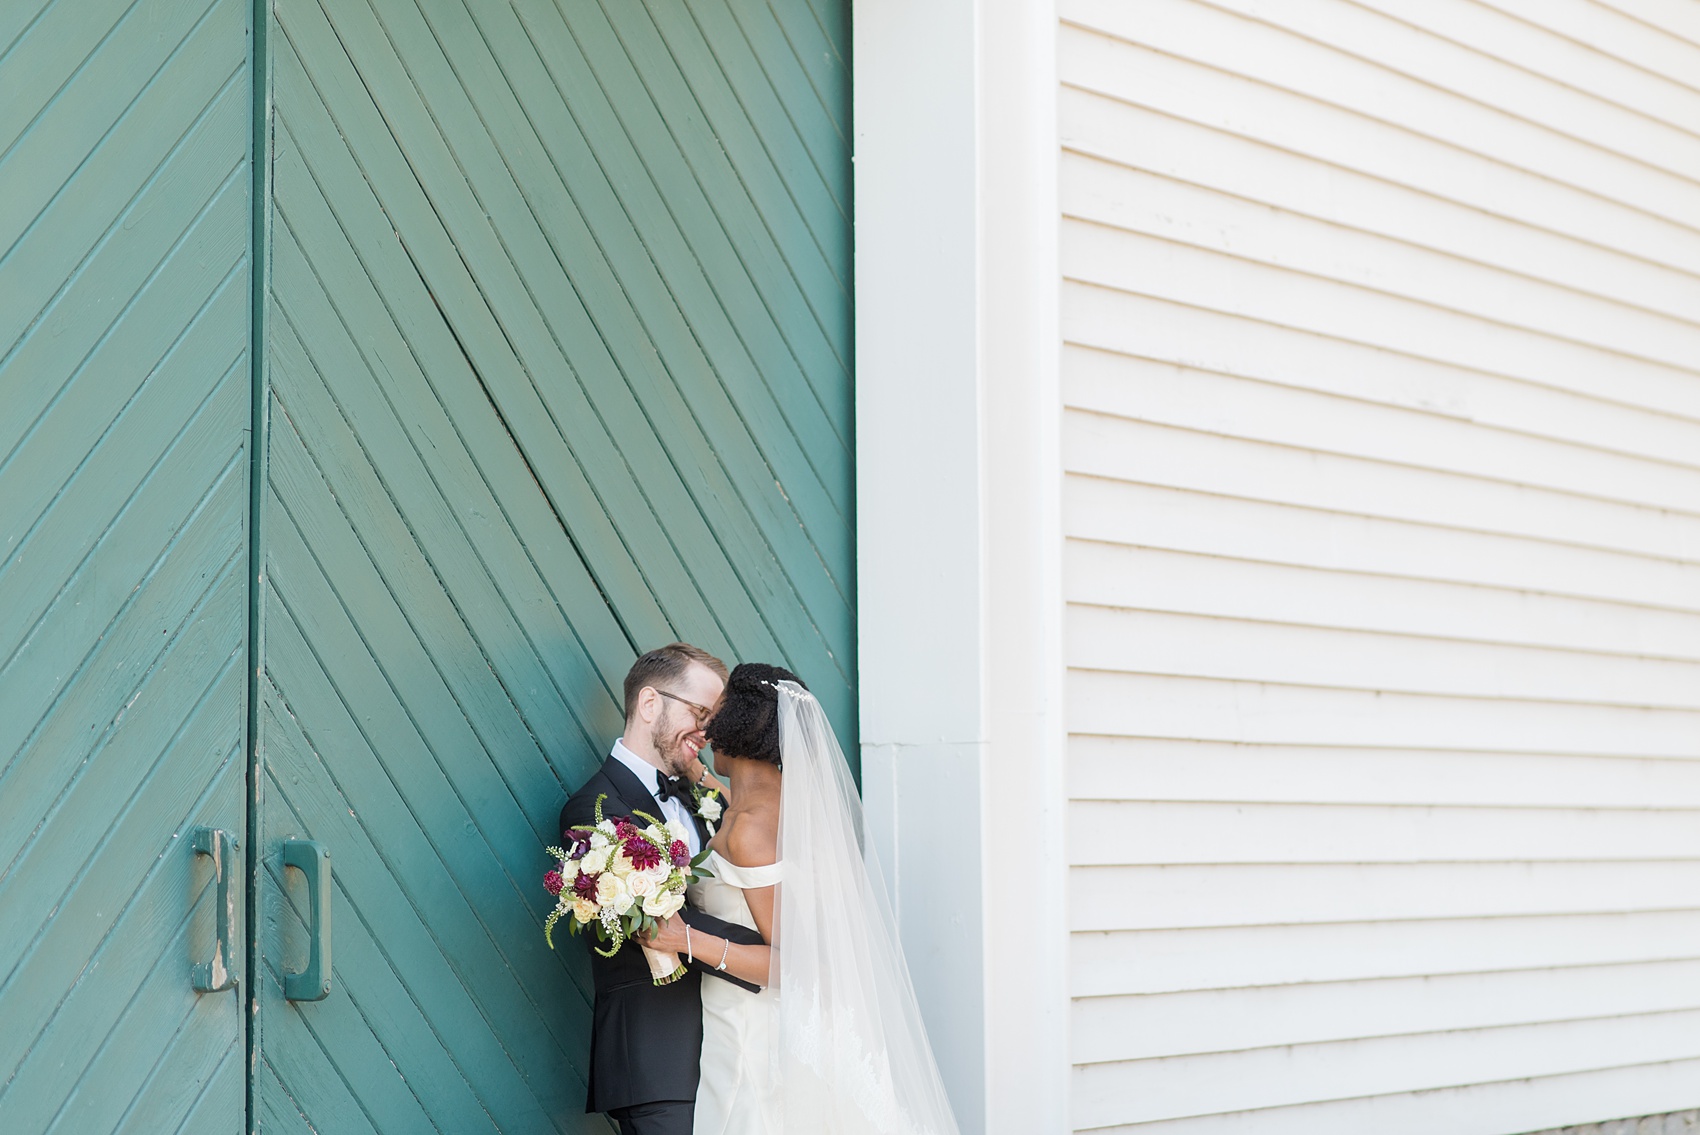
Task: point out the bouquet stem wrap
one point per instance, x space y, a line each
664 965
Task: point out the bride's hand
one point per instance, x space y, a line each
669 935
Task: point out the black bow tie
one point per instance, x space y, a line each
675 787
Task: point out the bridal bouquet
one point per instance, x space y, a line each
622 879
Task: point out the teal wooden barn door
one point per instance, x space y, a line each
558 337
303 644
124 415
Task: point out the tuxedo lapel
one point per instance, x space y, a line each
629 788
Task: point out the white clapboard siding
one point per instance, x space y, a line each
1115 964
1381 501
1576 64
1117 575
1116 386
1110 194
1218 1020
1340 136
1148 768
1213 524
1282 1075
1097 127
1165 897
1479 1109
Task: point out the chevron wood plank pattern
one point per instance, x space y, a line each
558 349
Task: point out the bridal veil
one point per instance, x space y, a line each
850 1048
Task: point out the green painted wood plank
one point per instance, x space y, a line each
707 517
796 283
278 1113
443 255
760 204
314 1084
610 149
768 430
680 384
375 1004
222 1097
48 230
387 1095
78 471
408 720
83 929
797 133
750 124
474 461
823 56
85 603
419 566
16 19
450 416
111 339
128 666
433 938
69 41
401 936
53 852
575 456
512 697
157 1055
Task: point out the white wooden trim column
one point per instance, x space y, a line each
959 532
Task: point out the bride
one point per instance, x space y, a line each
834 1043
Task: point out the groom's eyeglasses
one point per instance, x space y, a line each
701 712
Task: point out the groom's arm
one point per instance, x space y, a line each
730 931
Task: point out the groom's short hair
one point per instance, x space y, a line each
664 665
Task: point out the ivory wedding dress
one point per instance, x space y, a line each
736 1095
836 1045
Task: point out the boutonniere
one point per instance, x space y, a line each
708 806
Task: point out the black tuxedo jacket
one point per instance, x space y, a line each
646 1039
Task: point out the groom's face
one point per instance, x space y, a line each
678 731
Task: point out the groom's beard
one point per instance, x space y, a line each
669 743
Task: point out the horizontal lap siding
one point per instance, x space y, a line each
1382 505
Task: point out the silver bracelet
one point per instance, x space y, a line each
723 952
688 952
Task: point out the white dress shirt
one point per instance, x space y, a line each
650 777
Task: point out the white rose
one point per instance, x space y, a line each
600 839
623 903
641 883
709 809
676 830
585 911
621 865
594 862
654 831
663 904
609 887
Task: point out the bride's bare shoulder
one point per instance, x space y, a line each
751 842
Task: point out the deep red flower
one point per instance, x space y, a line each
552 882
679 853
642 853
585 886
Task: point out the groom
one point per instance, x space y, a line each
646 1039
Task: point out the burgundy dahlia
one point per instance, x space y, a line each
585 886
642 853
679 853
552 882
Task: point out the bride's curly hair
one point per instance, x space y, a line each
747 723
